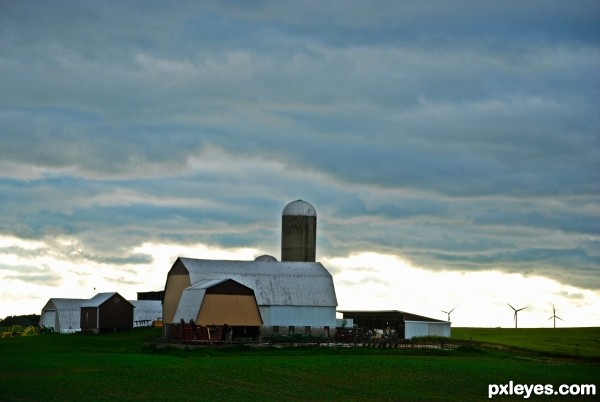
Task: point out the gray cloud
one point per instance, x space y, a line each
43 275
459 136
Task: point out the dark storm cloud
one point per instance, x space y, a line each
456 135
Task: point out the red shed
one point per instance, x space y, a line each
106 312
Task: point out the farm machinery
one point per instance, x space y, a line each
17 330
194 333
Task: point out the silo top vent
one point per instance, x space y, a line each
299 208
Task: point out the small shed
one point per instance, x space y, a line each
62 315
407 325
106 312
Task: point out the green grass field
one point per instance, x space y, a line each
118 367
581 343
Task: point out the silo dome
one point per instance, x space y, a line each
299 208
266 258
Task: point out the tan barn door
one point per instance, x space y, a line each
233 310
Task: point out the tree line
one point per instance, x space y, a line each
22 320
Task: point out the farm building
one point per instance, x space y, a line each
62 315
146 311
259 297
406 325
153 295
106 312
256 298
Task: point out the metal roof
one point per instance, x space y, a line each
100 298
282 283
189 304
388 313
65 304
299 207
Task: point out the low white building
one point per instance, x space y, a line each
406 325
62 315
426 328
146 311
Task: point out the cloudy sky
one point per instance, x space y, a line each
451 149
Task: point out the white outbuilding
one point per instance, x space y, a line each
146 311
406 325
62 315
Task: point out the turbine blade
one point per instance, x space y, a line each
559 318
511 306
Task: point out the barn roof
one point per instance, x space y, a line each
99 299
67 304
403 315
275 283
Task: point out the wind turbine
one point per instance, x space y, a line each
448 312
516 311
554 316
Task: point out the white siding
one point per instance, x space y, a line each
298 316
439 329
48 319
412 329
424 328
146 309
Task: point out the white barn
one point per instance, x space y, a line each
62 315
264 296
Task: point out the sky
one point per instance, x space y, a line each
451 149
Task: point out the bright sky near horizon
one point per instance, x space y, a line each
451 149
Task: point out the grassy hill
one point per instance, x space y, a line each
580 343
117 366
